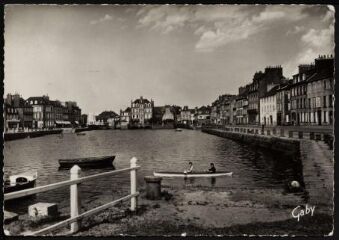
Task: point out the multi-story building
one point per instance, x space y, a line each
298 89
168 115
220 110
283 104
320 92
43 115
202 116
84 120
141 112
125 117
11 118
268 107
25 111
242 106
253 99
185 116
74 112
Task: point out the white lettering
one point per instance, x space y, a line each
297 212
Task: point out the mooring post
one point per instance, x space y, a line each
75 172
133 183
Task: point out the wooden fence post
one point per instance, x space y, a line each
75 172
133 184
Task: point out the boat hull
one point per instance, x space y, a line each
193 174
19 187
92 162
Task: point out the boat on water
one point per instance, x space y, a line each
89 162
67 130
80 134
20 182
178 129
192 174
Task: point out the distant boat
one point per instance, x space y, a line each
178 130
20 182
66 130
192 174
89 162
80 134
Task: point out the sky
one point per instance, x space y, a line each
104 56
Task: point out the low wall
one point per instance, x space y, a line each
21 135
287 145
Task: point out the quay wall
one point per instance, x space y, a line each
21 135
285 145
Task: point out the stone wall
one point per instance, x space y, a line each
286 145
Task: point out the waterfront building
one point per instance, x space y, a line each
58 114
141 112
298 89
241 106
43 116
108 118
220 110
202 116
283 104
168 116
176 110
11 117
84 120
233 111
262 83
320 92
125 117
187 116
25 111
253 110
268 107
74 112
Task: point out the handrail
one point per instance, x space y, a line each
53 186
82 215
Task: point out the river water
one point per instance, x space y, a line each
165 150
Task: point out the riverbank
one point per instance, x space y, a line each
199 211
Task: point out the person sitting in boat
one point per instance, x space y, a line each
190 168
212 169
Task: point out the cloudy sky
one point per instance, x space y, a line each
104 56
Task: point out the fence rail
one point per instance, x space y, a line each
74 196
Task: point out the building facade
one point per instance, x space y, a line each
142 112
268 108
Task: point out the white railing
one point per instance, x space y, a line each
74 196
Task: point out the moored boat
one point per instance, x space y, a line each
89 162
192 174
20 182
67 130
178 130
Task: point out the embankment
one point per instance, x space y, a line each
20 135
285 145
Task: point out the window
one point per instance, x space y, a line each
324 84
330 100
324 101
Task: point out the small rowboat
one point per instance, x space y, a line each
20 182
192 174
178 130
90 162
